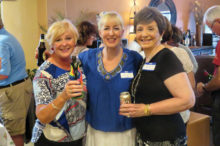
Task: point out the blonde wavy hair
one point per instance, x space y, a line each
58 28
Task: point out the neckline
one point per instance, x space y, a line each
154 52
57 66
115 71
155 55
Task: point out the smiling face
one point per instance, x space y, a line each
64 45
147 35
111 33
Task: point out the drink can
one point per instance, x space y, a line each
125 97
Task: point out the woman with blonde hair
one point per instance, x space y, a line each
60 117
109 71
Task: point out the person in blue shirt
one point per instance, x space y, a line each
0 62
15 87
109 71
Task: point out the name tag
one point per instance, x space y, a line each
127 74
149 66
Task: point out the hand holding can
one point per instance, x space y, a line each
125 98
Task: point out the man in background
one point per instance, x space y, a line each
212 20
15 87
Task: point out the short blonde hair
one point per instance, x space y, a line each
110 15
58 28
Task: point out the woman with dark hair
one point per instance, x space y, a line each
87 34
175 40
160 89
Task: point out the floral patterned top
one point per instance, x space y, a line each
48 82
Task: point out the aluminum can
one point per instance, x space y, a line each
125 97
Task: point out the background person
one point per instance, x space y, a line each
161 88
181 53
13 81
212 19
60 118
184 58
87 34
175 40
109 71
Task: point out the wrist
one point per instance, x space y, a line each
204 88
63 96
55 107
147 111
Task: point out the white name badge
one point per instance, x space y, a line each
127 74
149 66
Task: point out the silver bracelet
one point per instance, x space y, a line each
55 107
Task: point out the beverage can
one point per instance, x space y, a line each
125 97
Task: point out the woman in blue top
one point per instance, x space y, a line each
109 71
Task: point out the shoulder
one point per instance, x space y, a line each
168 64
166 54
5 36
133 54
179 51
87 53
45 70
167 57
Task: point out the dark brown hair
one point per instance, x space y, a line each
85 29
177 34
148 15
168 31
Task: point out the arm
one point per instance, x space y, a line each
183 98
47 112
5 64
212 85
191 77
2 77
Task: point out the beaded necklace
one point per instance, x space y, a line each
136 81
